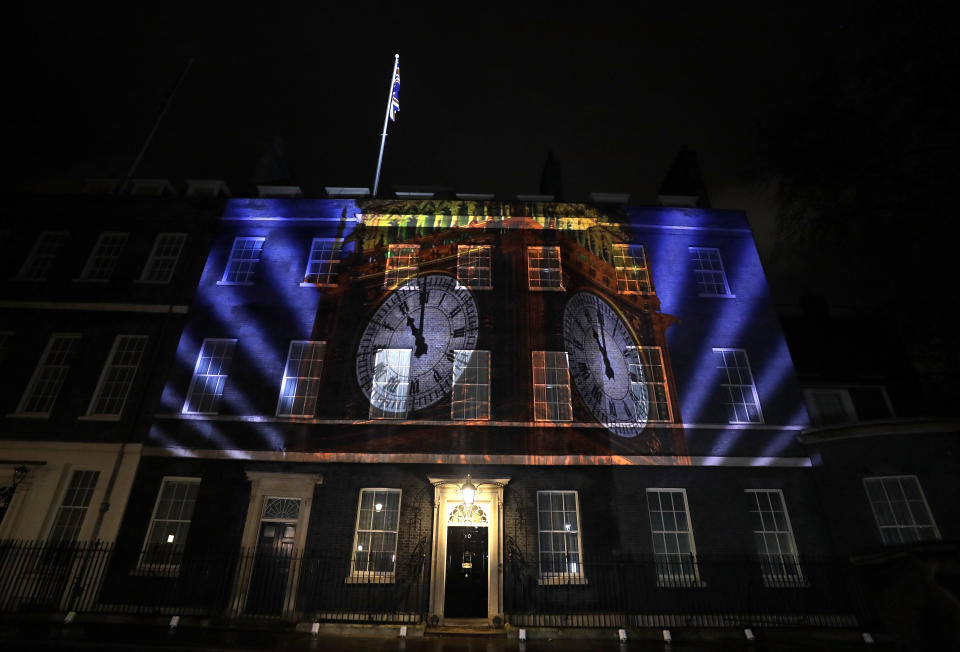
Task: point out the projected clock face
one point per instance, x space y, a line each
605 364
405 358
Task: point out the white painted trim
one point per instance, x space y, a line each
95 306
478 459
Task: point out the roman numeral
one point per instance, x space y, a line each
382 325
436 375
596 393
449 355
458 332
613 408
415 386
454 312
403 306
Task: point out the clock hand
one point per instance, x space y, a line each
419 342
606 361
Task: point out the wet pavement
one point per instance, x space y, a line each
42 636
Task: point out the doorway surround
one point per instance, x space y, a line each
446 498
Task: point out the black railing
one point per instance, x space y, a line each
698 592
308 585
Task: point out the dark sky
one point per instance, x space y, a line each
484 97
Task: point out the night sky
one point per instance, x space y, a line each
484 97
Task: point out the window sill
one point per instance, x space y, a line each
21 415
207 414
90 280
99 417
785 583
317 285
717 296
461 286
559 289
372 579
234 282
680 583
562 580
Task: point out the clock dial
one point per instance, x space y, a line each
605 364
406 353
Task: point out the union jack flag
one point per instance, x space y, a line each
395 100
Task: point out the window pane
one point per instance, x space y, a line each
375 548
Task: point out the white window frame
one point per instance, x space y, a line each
104 263
197 376
158 257
475 266
466 397
743 389
330 265
373 576
560 366
26 272
397 362
83 509
403 263
112 365
36 379
632 278
230 273
536 259
297 382
643 354
673 572
574 572
143 564
780 567
700 272
896 526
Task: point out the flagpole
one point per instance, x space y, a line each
386 119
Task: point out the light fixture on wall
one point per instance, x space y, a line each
468 491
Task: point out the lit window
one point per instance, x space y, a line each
658 398
551 386
170 524
103 259
117 377
773 536
242 264
46 250
471 385
558 522
473 267
900 509
48 377
830 406
402 264
73 507
709 273
390 391
301 379
738 390
163 258
375 537
543 268
673 550
209 376
630 264
323 265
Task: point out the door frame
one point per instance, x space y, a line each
446 497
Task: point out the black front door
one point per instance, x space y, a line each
271 568
467 559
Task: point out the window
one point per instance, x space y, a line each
830 406
630 264
73 507
390 393
543 268
323 264
48 377
773 536
709 273
244 257
900 509
738 391
301 379
558 522
46 250
209 376
473 267
117 377
551 386
402 264
673 550
375 539
163 258
170 524
658 399
103 259
471 385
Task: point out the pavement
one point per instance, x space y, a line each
37 636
